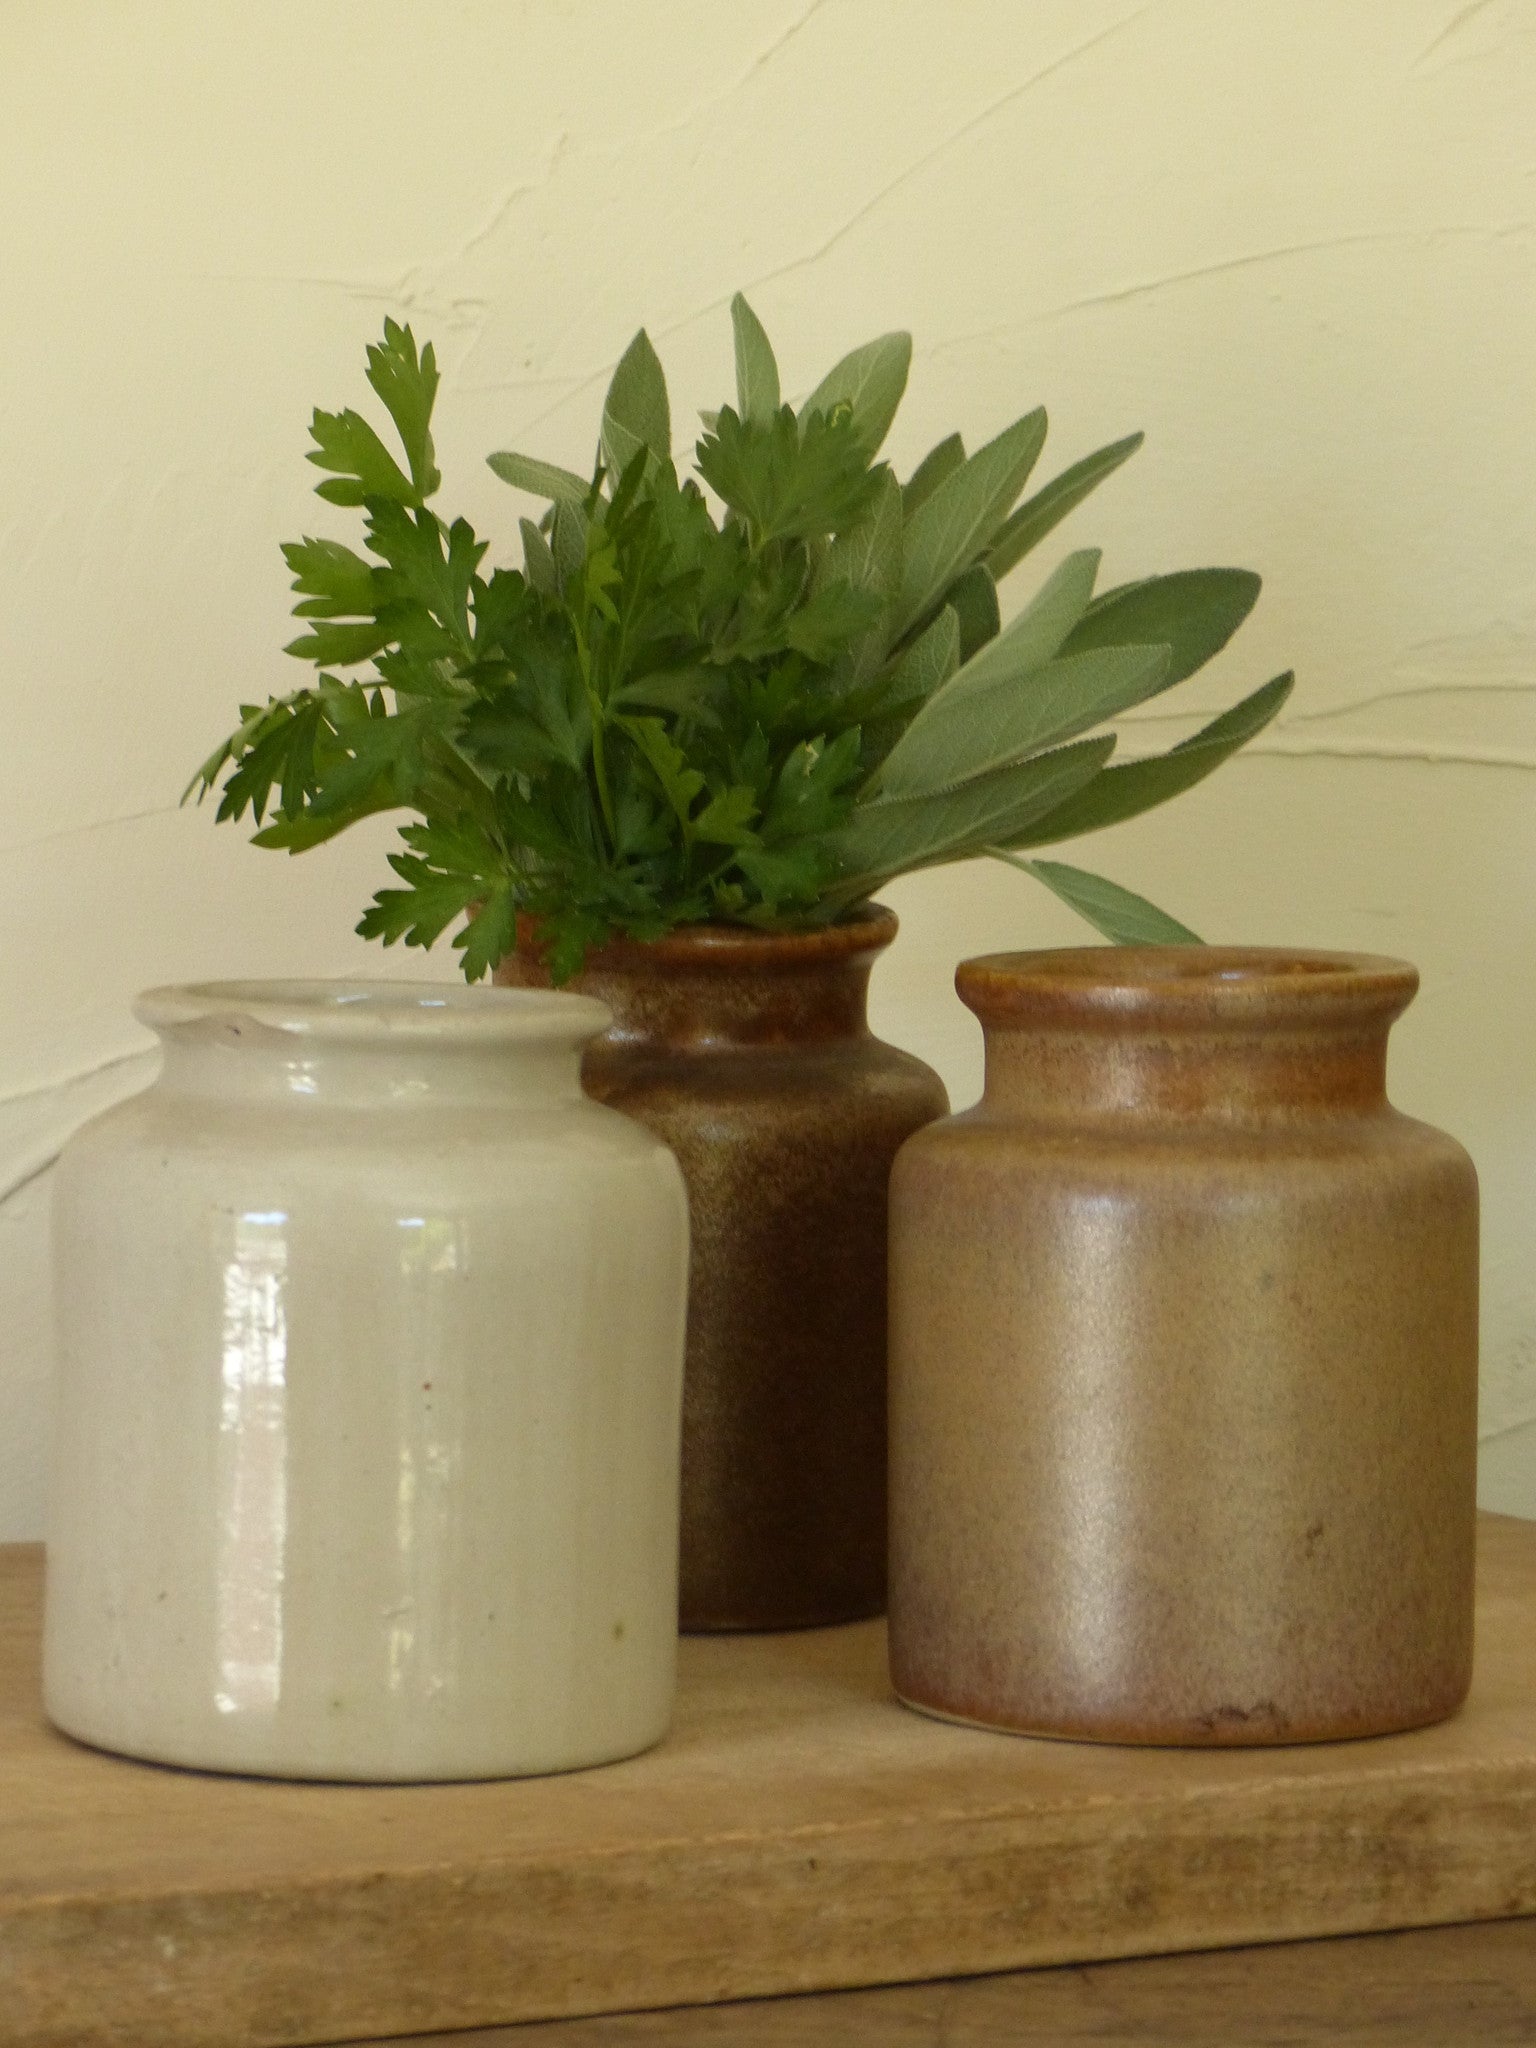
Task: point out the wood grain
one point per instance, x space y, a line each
1440 1987
797 1832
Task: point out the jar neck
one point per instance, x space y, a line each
280 1069
1233 1076
1228 1033
682 1010
720 989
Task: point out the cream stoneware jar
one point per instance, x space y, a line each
369 1376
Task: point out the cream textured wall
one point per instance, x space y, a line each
1290 238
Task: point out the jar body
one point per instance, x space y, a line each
1184 1401
748 1054
366 1458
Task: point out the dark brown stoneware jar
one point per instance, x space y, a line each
749 1054
1184 1361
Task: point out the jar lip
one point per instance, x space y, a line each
730 948
377 1011
1187 986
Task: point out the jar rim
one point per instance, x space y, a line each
730 949
378 1011
1187 987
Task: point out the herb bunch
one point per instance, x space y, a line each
669 716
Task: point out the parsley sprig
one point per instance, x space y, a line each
670 715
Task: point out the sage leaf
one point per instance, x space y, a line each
890 836
870 382
867 557
1031 639
1132 787
960 733
940 462
636 414
959 519
1193 613
1035 518
1123 917
543 479
930 660
538 561
868 554
568 544
1041 629
973 599
757 371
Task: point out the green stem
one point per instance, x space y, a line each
1012 860
599 757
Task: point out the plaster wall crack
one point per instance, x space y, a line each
58 1109
1401 693
1503 1429
1394 750
1251 258
509 199
766 56
34 1170
66 832
905 176
1452 29
871 205
1346 747
80 1078
727 93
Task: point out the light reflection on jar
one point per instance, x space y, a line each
252 1456
433 1260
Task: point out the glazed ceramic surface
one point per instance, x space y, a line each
1184 1361
370 1351
749 1054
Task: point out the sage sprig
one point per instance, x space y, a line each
750 695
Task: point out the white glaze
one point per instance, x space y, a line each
369 1369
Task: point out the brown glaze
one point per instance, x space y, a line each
749 1054
1184 1361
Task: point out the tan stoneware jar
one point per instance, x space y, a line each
1184 1361
750 1055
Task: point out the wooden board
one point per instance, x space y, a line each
1431 1987
798 1831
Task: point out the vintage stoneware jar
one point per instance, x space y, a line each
750 1055
1184 1361
370 1358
